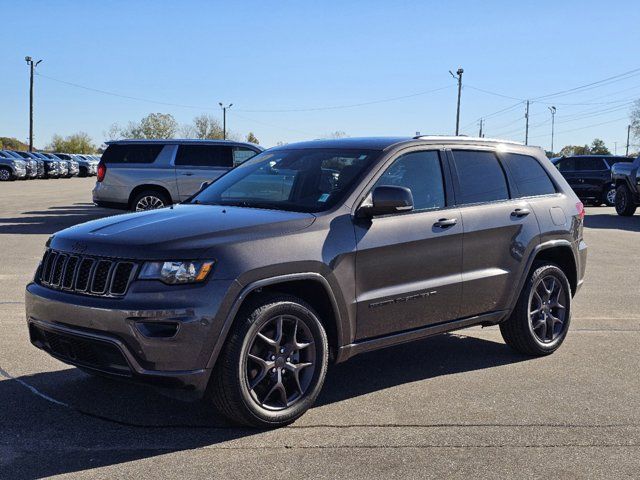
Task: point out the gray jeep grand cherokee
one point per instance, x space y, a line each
312 253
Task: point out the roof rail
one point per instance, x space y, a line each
465 138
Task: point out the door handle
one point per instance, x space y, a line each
521 212
187 174
446 222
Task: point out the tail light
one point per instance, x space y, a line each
102 171
580 208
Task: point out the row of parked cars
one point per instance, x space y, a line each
20 165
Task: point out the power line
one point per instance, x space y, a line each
199 107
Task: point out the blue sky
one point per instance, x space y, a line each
265 56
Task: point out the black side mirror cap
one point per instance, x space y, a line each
386 200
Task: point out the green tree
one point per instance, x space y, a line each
251 138
207 127
77 143
154 125
634 119
11 143
571 150
599 148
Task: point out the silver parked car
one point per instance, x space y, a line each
148 174
11 168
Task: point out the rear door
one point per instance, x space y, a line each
196 164
499 230
594 175
567 167
408 264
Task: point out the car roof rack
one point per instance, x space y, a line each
465 138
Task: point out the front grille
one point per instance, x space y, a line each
86 275
79 350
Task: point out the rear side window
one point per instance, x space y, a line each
204 156
241 155
480 177
590 164
529 176
131 153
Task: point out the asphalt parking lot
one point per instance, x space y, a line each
460 406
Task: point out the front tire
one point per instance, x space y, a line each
5 175
273 364
624 201
540 322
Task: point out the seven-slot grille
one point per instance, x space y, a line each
86 275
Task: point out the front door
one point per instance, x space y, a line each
408 265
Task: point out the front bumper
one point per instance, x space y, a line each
113 336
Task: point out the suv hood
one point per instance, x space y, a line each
180 232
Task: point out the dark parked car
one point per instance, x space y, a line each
33 163
52 168
590 176
312 253
86 167
11 168
626 179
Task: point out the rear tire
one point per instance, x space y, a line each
83 172
624 201
540 322
273 364
609 197
149 200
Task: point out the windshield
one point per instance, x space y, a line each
305 180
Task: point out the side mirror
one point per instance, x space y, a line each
385 200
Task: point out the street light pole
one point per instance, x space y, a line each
224 119
628 135
32 67
553 122
459 73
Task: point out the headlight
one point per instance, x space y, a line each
177 272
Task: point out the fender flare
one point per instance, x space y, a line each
534 253
251 287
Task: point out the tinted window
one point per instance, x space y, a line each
131 153
241 155
566 165
204 156
3 155
529 176
480 176
421 173
308 180
590 164
613 160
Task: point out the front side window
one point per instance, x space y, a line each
304 180
204 156
480 177
421 173
132 153
529 176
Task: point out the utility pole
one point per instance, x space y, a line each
459 73
224 119
553 122
526 131
628 135
615 148
480 133
32 67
